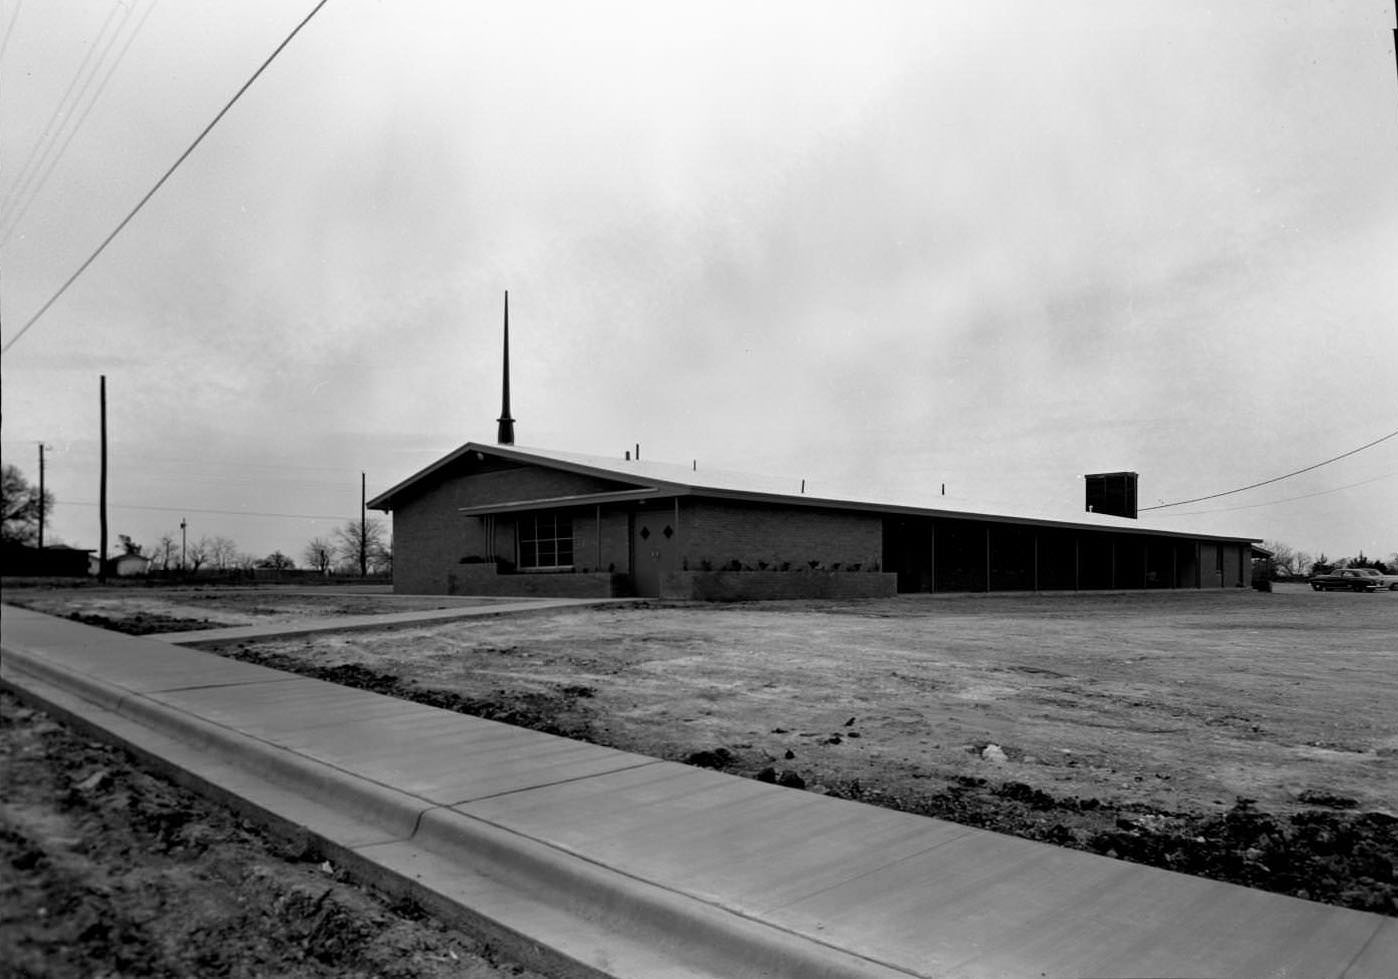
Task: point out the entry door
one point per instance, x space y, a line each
653 550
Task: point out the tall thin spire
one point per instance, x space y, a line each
506 432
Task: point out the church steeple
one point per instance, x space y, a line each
506 433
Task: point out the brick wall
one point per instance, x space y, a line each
720 532
1233 567
482 579
610 532
431 536
747 586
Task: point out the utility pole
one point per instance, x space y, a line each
183 525
41 496
102 497
363 532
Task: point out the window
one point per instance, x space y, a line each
546 541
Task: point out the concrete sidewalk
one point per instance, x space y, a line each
597 862
382 620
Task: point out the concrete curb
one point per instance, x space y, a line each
551 909
395 813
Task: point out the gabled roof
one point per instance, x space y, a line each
648 480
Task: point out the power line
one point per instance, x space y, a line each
161 182
60 113
1290 499
79 448
1274 479
19 210
224 513
10 29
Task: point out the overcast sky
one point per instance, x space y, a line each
992 245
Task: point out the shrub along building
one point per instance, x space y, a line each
501 520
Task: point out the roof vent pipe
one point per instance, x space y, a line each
638 451
628 455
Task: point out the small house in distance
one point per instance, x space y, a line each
503 520
122 565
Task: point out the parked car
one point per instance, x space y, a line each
1350 579
1390 581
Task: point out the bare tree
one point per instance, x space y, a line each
1282 554
360 543
319 554
20 508
163 556
197 553
223 553
1294 561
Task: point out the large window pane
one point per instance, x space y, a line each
546 541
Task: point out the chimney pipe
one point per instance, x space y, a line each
505 434
1112 493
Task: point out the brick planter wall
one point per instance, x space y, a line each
747 586
484 579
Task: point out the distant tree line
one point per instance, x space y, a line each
341 554
358 547
1290 562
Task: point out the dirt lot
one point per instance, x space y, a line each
151 610
1247 737
109 871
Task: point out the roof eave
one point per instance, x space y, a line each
384 501
563 502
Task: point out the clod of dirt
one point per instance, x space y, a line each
834 739
791 780
850 722
994 753
768 775
95 782
1313 798
789 754
1032 797
718 759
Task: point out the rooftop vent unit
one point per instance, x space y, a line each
1112 493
